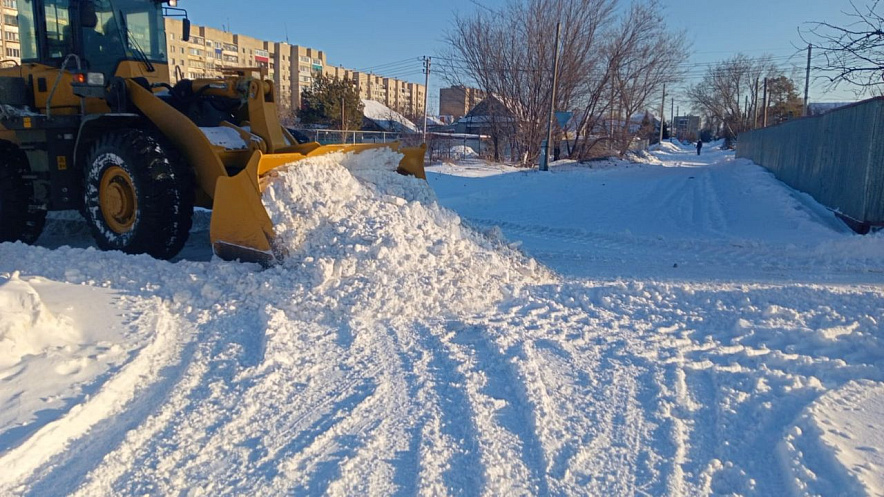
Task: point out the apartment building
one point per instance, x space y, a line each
457 101
401 96
292 68
10 48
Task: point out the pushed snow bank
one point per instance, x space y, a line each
27 327
668 146
349 224
835 446
56 341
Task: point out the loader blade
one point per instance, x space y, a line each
241 229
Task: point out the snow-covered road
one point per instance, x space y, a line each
681 326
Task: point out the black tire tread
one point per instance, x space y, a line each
22 217
164 189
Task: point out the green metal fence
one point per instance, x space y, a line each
837 158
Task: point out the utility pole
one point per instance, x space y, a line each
544 159
765 103
662 110
427 62
678 131
671 114
807 77
613 97
343 119
755 106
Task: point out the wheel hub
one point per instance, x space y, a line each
118 201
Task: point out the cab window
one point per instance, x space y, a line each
59 32
27 31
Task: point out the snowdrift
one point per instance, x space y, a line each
397 350
349 225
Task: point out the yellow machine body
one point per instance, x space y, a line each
227 180
240 226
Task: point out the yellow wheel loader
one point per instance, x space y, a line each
89 121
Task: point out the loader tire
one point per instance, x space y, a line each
139 194
22 216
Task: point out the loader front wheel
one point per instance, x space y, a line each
21 216
139 194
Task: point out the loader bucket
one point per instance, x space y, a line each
240 226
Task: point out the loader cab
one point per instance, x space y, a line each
107 36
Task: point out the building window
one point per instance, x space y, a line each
13 52
172 36
10 20
10 36
9 4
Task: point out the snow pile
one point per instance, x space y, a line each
49 360
356 227
667 146
223 136
26 325
463 151
835 447
386 117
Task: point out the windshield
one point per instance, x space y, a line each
144 28
125 30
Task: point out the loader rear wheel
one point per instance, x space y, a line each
21 216
139 194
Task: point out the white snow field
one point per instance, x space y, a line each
679 325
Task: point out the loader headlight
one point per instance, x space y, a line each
89 85
95 79
91 79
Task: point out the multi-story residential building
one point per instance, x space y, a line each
687 127
9 42
401 96
457 101
292 68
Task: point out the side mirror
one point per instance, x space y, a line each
185 35
88 18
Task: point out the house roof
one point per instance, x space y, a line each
386 118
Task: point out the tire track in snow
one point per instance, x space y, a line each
723 258
58 455
450 425
512 452
381 424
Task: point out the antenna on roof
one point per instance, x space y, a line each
286 26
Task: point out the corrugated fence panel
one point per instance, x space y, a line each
838 158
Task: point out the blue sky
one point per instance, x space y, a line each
389 36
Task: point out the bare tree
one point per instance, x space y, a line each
509 53
730 91
854 54
645 56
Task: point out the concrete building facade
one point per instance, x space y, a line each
687 127
401 96
293 68
209 51
10 48
457 101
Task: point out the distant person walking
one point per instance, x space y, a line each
699 146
